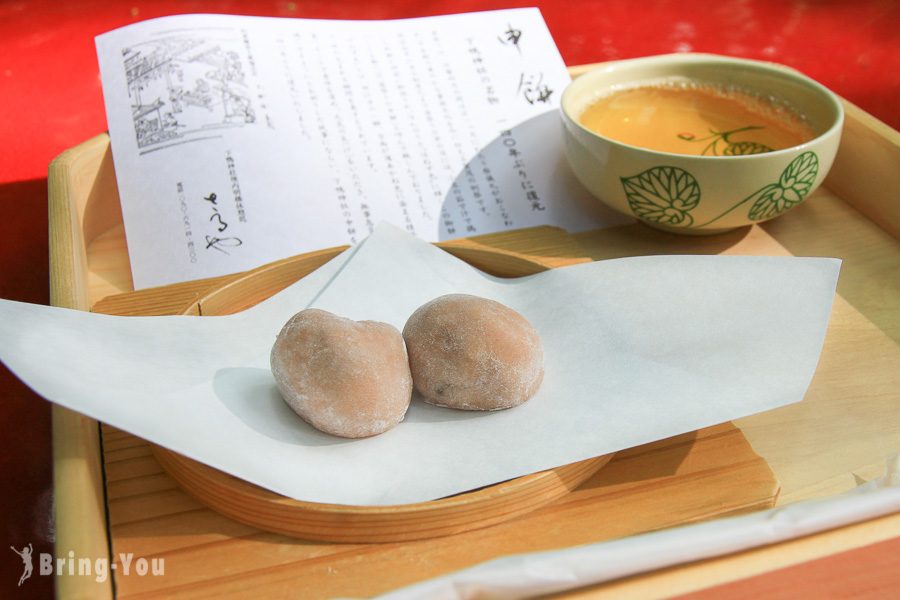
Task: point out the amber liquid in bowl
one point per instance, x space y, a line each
697 118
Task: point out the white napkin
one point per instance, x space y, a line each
637 349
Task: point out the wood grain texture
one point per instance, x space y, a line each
79 501
260 508
493 253
868 146
686 478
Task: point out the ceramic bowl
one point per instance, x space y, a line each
701 194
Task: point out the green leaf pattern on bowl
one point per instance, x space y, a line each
741 148
667 195
663 195
792 187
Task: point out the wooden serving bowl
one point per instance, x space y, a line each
267 510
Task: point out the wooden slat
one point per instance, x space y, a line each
165 535
146 507
147 484
353 524
649 487
868 146
79 508
124 454
137 467
498 254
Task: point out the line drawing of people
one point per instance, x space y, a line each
26 560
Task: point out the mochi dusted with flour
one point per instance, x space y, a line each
347 378
473 353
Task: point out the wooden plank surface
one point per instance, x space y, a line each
681 479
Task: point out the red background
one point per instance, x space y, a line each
50 100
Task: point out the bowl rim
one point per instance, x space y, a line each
692 58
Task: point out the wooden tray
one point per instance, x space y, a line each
695 476
849 418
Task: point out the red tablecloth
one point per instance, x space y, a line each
51 100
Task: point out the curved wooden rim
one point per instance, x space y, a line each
262 508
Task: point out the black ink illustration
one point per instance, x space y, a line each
184 85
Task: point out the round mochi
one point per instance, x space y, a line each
343 377
473 353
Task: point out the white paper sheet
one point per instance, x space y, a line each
637 349
241 140
541 573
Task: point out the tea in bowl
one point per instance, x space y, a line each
698 143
